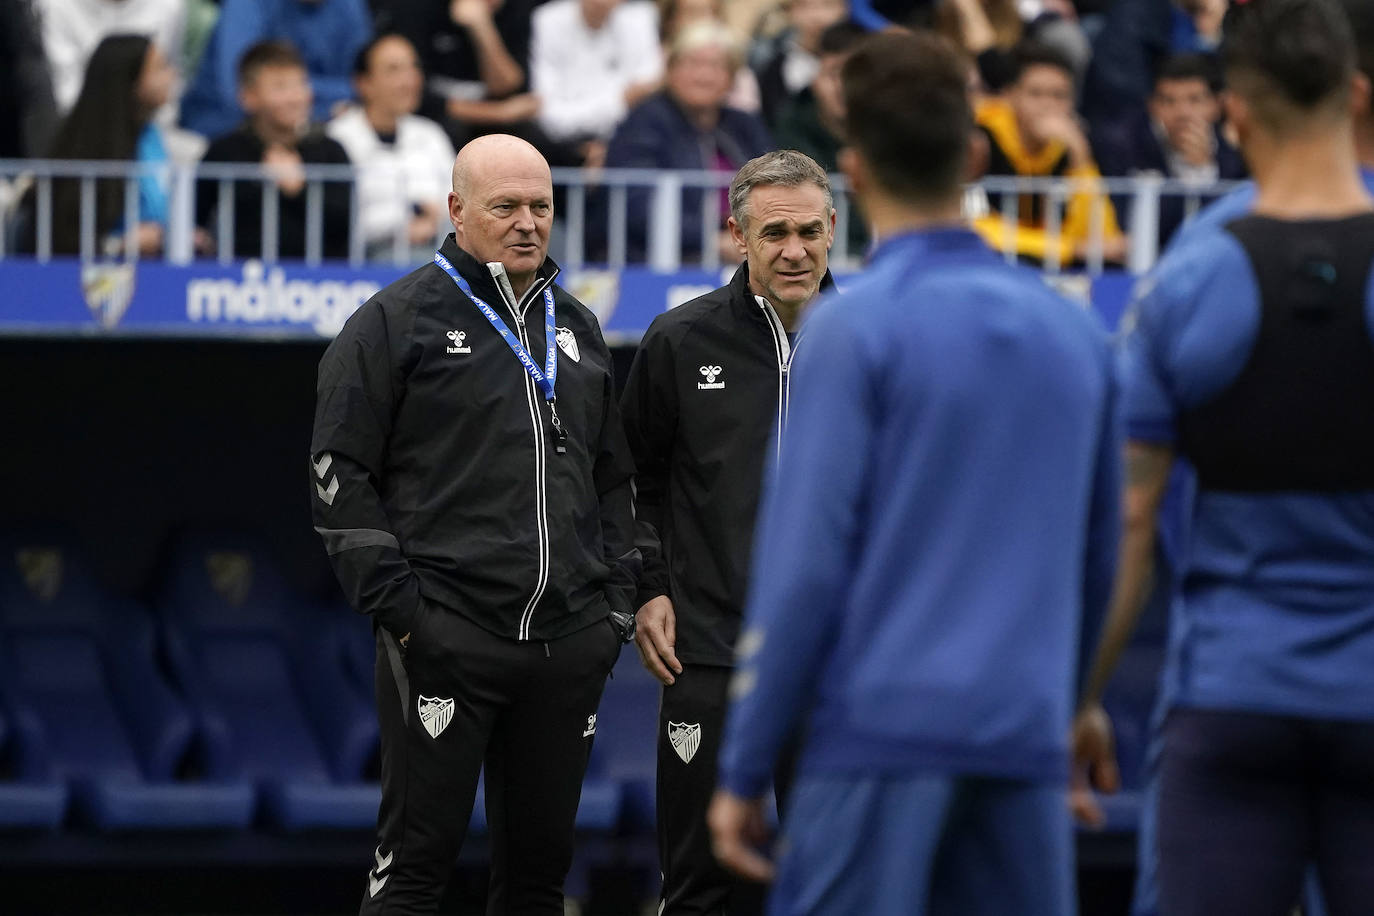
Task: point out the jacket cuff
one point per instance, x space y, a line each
399 621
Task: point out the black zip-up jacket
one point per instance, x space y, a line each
707 390
433 465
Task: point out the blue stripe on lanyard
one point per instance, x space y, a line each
546 379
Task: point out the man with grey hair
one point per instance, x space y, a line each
707 389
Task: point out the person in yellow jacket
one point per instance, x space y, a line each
1032 131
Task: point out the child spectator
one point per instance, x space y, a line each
404 161
1034 132
327 34
274 88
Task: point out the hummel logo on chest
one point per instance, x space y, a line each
458 337
710 373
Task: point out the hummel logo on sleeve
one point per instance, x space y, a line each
711 373
375 879
591 726
326 493
458 337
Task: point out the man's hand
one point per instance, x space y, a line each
656 637
470 14
1066 129
1094 764
424 226
1195 143
286 169
737 830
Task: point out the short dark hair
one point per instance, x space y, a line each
1031 53
841 37
907 111
1361 16
1297 51
362 61
264 54
1181 67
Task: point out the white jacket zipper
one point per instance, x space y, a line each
532 399
783 349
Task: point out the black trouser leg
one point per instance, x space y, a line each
429 774
535 763
1345 816
1235 814
691 717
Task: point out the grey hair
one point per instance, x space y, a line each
786 168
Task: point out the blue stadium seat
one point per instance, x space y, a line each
27 804
90 709
624 753
267 675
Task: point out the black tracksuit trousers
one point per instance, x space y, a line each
691 717
460 698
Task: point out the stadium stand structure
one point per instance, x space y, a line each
92 714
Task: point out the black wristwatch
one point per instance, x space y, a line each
624 625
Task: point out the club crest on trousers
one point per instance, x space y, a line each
435 714
685 739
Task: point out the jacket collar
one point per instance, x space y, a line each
742 294
489 280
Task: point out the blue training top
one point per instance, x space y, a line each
1277 607
938 543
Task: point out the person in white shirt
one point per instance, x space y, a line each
72 28
403 160
590 62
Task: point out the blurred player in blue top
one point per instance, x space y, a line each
1092 730
936 548
1252 356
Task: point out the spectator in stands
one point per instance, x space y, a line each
403 159
990 30
73 28
813 122
475 54
27 115
127 80
1034 132
590 62
688 126
674 16
1136 38
327 34
795 57
274 88
1180 137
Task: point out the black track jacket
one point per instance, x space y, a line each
707 390
433 468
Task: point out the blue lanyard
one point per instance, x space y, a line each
545 379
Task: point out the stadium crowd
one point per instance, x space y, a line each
1082 90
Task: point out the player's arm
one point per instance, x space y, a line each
809 541
613 472
649 409
354 405
1147 477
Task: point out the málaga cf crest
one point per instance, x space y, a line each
685 739
435 714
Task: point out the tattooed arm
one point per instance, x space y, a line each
1147 477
